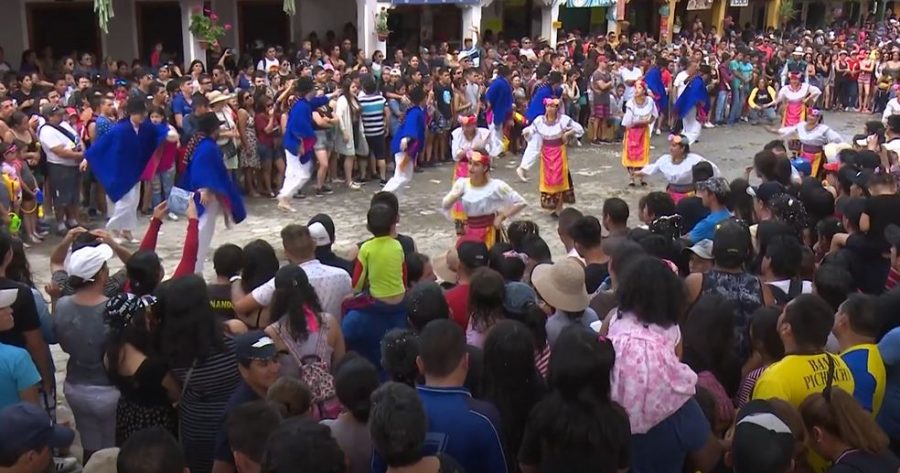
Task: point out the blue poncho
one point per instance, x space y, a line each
206 170
119 157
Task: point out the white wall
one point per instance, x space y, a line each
323 15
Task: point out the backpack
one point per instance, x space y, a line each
313 368
781 297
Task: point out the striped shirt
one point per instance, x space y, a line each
372 112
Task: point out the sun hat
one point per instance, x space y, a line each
8 297
561 285
703 249
445 266
87 261
216 96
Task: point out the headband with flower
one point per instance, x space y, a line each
466 120
479 157
551 101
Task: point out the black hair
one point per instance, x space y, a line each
290 396
587 232
368 84
399 349
144 272
442 347
518 230
862 314
512 268
248 427
708 338
567 217
355 379
425 302
658 204
764 331
512 382
536 249
303 445
293 297
260 265
487 290
386 198
397 424
765 163
666 306
775 144
152 450
415 267
380 219
228 260
622 257
18 269
785 256
739 202
189 330
417 95
6 243
616 210
304 85
579 412
811 319
833 284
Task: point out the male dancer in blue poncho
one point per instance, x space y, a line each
686 106
214 192
654 81
408 142
500 98
550 89
118 158
300 140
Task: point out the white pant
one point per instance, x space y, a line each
296 175
206 228
532 151
692 127
403 174
496 137
123 214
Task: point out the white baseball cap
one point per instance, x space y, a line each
8 297
86 262
319 234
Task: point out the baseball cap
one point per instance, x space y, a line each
891 234
763 441
25 426
731 238
766 190
703 249
254 345
866 159
319 234
862 178
717 185
8 297
518 296
87 261
50 109
472 254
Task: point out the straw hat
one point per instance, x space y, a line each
561 285
445 266
215 97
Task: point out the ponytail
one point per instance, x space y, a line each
838 413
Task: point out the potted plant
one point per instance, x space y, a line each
206 28
381 24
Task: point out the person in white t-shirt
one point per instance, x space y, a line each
331 284
268 61
630 73
65 160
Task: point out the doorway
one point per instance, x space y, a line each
50 25
262 20
160 22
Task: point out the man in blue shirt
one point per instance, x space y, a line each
714 194
466 429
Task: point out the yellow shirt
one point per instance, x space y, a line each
795 377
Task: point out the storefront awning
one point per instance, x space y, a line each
589 3
435 2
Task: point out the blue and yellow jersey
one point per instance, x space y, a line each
869 375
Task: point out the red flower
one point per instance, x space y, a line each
213 16
227 26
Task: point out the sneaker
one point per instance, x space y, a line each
173 217
708 125
327 190
382 182
354 186
61 229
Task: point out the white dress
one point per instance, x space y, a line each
679 174
549 131
785 94
481 140
821 135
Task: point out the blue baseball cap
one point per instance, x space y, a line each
25 426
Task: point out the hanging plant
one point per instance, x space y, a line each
381 24
289 7
205 26
104 11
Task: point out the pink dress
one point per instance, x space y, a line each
648 380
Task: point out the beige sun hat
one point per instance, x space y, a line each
831 150
216 96
445 266
561 285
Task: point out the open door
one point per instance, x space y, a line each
159 22
50 24
262 20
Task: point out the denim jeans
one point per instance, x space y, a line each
161 185
767 114
721 104
737 105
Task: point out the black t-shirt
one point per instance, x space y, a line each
21 97
25 314
220 300
858 461
882 211
870 270
241 395
594 275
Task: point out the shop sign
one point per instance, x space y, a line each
699 4
739 3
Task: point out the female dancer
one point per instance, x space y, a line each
486 202
813 136
640 112
466 138
796 96
554 130
676 168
